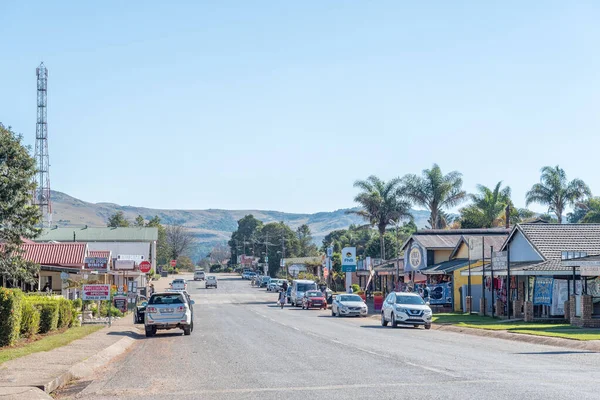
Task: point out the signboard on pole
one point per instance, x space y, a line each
99 264
476 248
349 259
145 266
330 251
120 303
500 259
173 263
95 292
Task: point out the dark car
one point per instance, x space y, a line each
140 308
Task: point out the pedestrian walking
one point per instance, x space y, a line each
426 293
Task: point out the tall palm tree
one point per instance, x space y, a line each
435 191
489 205
556 192
381 203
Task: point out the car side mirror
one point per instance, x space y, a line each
192 302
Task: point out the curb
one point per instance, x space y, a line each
23 393
86 368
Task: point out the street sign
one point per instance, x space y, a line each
266 259
64 276
120 303
349 259
330 252
282 263
99 264
95 292
500 259
173 263
145 266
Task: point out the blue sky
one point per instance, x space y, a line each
283 105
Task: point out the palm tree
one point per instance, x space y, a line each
381 203
489 205
556 192
435 191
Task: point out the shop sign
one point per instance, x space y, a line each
95 292
542 291
440 294
589 270
414 259
120 303
99 264
124 265
349 259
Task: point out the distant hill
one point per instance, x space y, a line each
209 226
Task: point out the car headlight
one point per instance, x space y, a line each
427 312
401 309
344 308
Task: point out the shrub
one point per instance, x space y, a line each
77 304
48 316
355 288
74 318
65 314
10 316
30 319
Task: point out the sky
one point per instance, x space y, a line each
282 105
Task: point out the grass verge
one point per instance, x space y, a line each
48 342
565 331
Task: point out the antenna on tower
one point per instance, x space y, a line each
42 191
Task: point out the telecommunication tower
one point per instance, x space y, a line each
42 191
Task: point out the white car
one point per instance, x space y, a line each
406 309
199 275
274 285
179 284
211 281
169 310
347 305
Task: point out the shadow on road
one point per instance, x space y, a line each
551 353
131 334
387 327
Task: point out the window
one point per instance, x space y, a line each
167 299
409 300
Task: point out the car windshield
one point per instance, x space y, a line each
303 287
166 299
210 277
409 300
350 297
314 294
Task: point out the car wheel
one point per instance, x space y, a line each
394 322
383 320
332 312
416 326
192 326
428 326
150 332
187 330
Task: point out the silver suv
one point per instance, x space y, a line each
407 309
168 310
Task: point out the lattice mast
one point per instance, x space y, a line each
42 192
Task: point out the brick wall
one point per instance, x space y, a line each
528 314
586 320
518 308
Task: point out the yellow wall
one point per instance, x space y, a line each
440 256
458 281
463 251
56 281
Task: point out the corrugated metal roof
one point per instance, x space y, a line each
57 254
445 267
100 234
449 238
495 241
437 241
552 239
99 253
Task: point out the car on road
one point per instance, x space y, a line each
289 294
199 275
140 308
347 305
265 281
169 310
211 281
405 309
275 284
313 299
299 286
179 284
250 275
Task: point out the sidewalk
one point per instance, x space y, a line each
53 369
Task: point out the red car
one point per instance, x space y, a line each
314 299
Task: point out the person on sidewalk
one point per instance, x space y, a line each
426 293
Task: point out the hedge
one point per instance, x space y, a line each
48 316
30 319
10 316
65 315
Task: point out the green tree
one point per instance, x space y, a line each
305 242
435 191
244 236
587 211
184 263
18 218
139 221
488 208
280 237
162 247
556 192
117 220
382 203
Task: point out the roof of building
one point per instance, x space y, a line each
99 253
550 240
57 254
99 234
449 238
445 267
490 241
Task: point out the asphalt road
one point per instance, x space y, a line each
244 347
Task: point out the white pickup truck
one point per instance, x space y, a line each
179 284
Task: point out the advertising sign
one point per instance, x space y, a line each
120 303
121 265
476 248
99 264
131 257
349 259
440 294
500 259
414 259
95 292
542 291
589 270
330 252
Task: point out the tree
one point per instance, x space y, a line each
245 235
279 236
184 263
162 248
556 192
488 208
179 240
219 253
435 191
139 221
587 211
117 220
18 217
305 241
382 204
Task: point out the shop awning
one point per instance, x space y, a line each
445 268
533 268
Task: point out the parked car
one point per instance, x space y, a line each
347 305
169 310
179 284
313 299
265 281
140 308
289 294
211 281
199 275
251 275
274 285
407 309
299 286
